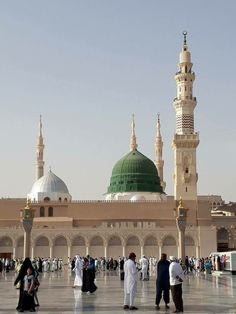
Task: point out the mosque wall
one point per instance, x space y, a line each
113 229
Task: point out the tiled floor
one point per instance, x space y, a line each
202 294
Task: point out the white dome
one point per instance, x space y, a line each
51 187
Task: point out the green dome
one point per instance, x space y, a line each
134 173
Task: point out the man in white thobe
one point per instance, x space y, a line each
78 272
144 267
130 282
176 279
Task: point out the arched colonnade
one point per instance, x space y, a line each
97 245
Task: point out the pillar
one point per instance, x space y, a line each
26 244
87 250
141 250
123 250
50 251
69 251
160 251
198 251
105 251
14 252
181 245
32 252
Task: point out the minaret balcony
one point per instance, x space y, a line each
185 140
182 76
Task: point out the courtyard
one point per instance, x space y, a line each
202 294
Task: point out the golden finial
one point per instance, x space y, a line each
185 37
180 202
28 202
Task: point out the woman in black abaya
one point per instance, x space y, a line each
20 278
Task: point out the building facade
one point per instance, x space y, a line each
136 214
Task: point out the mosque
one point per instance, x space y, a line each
136 214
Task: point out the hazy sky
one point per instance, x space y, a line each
86 66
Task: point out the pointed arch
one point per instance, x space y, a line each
151 248
133 245
169 245
41 246
6 246
78 245
114 246
96 248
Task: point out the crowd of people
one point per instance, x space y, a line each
169 275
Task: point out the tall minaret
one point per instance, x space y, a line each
133 145
39 152
159 162
185 140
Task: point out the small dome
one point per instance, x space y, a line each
49 187
134 173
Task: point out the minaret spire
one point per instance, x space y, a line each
159 162
185 37
39 152
186 139
133 144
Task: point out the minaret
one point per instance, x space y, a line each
159 162
185 139
133 145
39 152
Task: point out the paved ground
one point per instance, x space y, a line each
202 294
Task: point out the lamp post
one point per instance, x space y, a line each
27 216
181 218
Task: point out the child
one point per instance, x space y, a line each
28 296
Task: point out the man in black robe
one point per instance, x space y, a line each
163 282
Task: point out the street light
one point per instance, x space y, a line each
27 216
181 219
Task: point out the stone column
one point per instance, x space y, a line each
69 251
181 244
50 251
198 251
123 250
87 250
32 251
160 250
181 217
105 251
141 250
14 252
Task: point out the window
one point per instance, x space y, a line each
42 212
59 199
186 189
50 212
186 170
46 199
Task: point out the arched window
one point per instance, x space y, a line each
50 212
65 199
59 199
46 199
42 212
